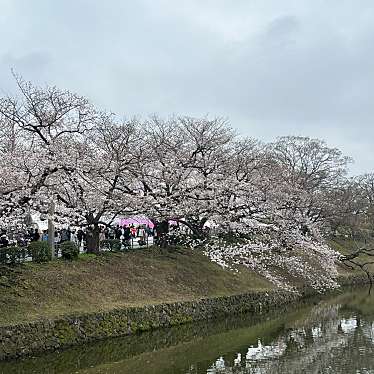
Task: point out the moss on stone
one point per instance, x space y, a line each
29 338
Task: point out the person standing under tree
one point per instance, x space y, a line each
35 236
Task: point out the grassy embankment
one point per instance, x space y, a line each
112 280
345 246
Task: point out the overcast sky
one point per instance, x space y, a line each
273 68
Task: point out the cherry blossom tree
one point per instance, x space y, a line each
35 127
365 196
267 207
270 234
312 170
98 185
186 158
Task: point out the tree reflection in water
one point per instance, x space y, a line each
323 342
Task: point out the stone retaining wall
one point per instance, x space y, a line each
47 335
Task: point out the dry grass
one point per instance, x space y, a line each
113 280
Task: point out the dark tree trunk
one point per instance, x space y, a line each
162 229
93 238
197 227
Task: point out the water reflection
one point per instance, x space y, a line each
333 335
325 343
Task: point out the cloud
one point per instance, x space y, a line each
273 68
33 64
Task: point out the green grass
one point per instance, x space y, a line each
346 246
111 280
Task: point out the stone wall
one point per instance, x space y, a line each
47 335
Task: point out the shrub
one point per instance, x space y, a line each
12 255
69 250
112 244
3 256
16 255
40 251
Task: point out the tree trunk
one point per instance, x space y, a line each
162 229
51 229
197 227
93 238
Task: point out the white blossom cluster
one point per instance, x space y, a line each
311 264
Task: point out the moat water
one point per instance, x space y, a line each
327 335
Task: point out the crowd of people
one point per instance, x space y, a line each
125 234
22 238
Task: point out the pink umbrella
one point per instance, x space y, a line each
136 222
141 221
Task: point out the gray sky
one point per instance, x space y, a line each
302 67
